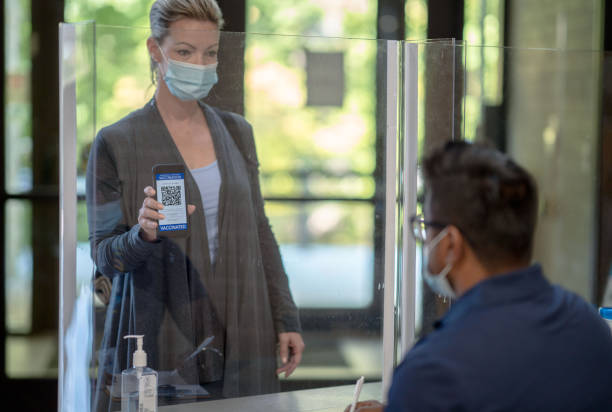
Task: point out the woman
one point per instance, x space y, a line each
225 281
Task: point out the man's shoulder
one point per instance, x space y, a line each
577 313
426 354
425 381
434 354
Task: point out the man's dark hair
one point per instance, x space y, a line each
484 193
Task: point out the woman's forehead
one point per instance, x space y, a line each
195 32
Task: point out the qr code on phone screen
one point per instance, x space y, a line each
171 195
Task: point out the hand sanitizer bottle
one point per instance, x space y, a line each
139 384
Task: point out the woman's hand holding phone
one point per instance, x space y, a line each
148 215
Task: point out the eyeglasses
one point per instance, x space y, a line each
419 227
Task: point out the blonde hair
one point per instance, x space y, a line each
165 12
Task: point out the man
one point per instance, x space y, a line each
511 341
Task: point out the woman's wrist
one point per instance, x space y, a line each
146 236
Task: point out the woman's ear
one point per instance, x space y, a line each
154 50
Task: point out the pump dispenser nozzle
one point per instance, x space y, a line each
140 356
139 383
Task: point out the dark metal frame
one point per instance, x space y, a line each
604 167
44 197
3 198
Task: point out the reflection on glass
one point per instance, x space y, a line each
17 107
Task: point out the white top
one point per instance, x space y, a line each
208 179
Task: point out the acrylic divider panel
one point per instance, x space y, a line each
432 94
547 117
320 135
541 107
339 127
328 116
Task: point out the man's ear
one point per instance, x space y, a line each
154 50
456 245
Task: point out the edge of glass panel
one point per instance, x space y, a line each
409 178
392 111
68 79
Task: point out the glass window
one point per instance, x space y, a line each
416 19
18 266
483 27
17 106
28 354
327 251
314 155
342 18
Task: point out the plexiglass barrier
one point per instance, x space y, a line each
542 107
339 129
292 165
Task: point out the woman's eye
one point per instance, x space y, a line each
212 53
183 53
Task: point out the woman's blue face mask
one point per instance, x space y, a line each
189 81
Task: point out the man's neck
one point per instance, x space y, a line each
502 269
472 272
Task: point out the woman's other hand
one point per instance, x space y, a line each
367 406
290 350
149 215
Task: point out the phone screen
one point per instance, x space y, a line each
170 188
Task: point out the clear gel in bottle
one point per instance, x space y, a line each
139 383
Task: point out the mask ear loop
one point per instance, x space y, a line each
161 75
434 242
162 51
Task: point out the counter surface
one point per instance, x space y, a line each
312 400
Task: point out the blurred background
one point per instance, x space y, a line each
531 77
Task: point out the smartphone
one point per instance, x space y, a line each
169 184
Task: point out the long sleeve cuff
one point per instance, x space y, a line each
140 248
288 323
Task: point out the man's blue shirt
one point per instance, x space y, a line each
513 342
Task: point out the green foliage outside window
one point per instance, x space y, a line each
305 151
314 151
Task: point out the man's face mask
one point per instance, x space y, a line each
438 282
189 81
